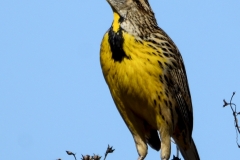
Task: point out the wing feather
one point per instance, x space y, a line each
181 92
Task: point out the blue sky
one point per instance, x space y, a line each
53 96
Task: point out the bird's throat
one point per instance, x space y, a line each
116 22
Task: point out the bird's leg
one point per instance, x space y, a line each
165 144
136 126
141 146
140 158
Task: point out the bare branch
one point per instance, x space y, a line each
235 114
94 157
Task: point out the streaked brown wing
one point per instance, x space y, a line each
181 92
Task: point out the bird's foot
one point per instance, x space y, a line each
140 158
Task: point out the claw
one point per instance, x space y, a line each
140 158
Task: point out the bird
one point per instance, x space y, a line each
147 80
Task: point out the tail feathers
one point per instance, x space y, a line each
153 139
191 153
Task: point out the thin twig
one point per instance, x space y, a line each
235 114
109 150
71 153
177 151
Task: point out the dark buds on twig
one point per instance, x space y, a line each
109 150
175 158
86 157
71 153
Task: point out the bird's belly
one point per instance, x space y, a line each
137 87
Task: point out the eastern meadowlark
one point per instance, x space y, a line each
146 76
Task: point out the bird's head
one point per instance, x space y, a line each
136 16
122 7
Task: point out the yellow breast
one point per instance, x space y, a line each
136 79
